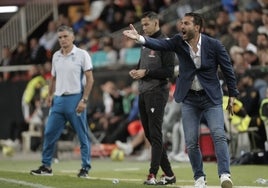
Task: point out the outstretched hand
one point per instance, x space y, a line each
131 33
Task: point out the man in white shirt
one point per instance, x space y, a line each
71 84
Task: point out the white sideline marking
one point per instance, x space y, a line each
35 185
141 180
126 169
177 186
110 179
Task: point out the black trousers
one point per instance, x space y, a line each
152 106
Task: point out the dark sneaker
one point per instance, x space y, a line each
164 180
151 180
42 171
83 173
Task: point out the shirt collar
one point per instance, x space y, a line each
198 43
156 34
73 51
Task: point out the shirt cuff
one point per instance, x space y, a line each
141 40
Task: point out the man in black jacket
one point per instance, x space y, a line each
153 71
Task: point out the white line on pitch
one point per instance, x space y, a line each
126 169
18 182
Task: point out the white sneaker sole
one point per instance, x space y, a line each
226 184
43 174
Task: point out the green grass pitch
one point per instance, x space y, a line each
14 173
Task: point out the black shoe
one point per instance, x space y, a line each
164 180
83 173
151 180
42 171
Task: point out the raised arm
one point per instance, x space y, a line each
132 33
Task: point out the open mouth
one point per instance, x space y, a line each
183 33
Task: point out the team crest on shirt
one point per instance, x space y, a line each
152 53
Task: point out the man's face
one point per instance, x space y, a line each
65 39
149 26
262 41
188 28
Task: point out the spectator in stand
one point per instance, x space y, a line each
102 29
236 55
230 39
246 15
137 139
244 42
139 6
111 53
231 7
5 61
80 22
250 59
49 39
37 52
264 27
31 94
249 95
163 5
172 124
110 121
47 70
130 17
211 29
239 16
113 15
130 105
251 31
19 57
94 43
135 130
222 21
6 56
262 41
263 57
256 16
262 46
125 45
167 29
96 7
62 20
81 38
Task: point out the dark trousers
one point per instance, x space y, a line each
152 106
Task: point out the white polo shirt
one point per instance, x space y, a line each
69 71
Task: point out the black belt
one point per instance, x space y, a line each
69 94
199 92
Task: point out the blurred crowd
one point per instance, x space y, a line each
242 26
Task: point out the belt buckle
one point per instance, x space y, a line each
197 92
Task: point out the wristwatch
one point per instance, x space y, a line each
84 100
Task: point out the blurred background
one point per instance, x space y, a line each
28 39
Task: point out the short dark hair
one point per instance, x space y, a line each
264 34
151 15
198 20
65 28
